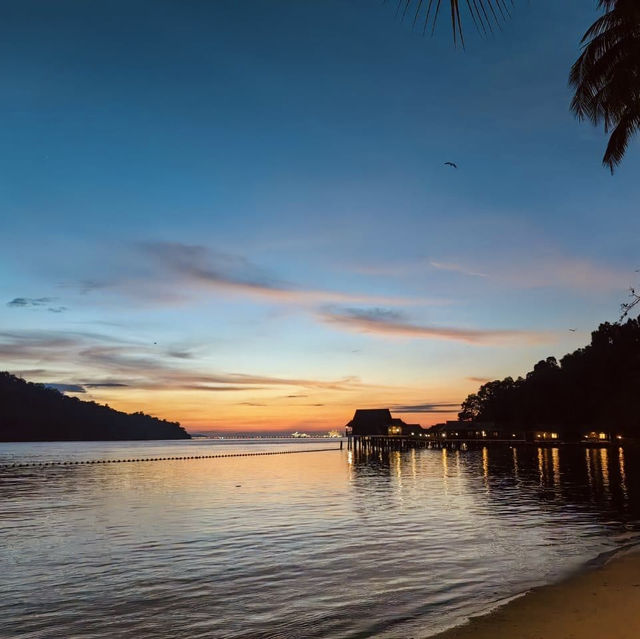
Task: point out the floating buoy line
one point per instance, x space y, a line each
155 459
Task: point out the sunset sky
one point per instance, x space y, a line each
237 215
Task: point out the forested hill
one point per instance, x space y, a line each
33 412
596 386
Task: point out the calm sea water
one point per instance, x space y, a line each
295 546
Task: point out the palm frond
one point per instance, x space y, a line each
606 76
485 14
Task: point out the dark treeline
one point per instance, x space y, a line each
597 386
33 412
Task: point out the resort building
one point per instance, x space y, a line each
378 422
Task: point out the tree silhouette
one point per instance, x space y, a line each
594 387
33 412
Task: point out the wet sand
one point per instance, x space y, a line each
603 603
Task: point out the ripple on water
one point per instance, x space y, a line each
308 546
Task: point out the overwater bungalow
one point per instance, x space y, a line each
377 422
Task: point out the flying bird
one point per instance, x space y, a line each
453 164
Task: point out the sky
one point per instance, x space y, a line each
238 216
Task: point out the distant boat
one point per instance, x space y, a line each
297 434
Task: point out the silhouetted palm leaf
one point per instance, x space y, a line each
606 76
485 14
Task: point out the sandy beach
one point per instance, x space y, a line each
603 603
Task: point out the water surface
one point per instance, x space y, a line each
319 544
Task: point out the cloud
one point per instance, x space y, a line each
66 388
559 271
105 385
173 273
180 354
527 267
23 302
36 302
393 324
479 380
456 268
546 269
199 267
443 407
130 364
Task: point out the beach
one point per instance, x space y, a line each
602 603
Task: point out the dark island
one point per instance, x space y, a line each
34 412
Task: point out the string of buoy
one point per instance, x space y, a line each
156 459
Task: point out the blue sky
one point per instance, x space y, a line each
238 215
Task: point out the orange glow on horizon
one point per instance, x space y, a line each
315 411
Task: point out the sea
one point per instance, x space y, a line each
317 543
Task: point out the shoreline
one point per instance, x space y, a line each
597 601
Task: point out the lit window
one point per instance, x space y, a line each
484 434
554 435
602 435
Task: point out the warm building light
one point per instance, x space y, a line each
602 435
484 434
618 436
554 435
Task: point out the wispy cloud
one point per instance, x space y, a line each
440 407
544 269
479 380
128 364
521 269
394 324
456 268
173 273
66 388
24 302
36 302
568 272
199 267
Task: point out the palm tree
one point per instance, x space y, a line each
606 76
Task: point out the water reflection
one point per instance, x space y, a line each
320 545
594 479
623 476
